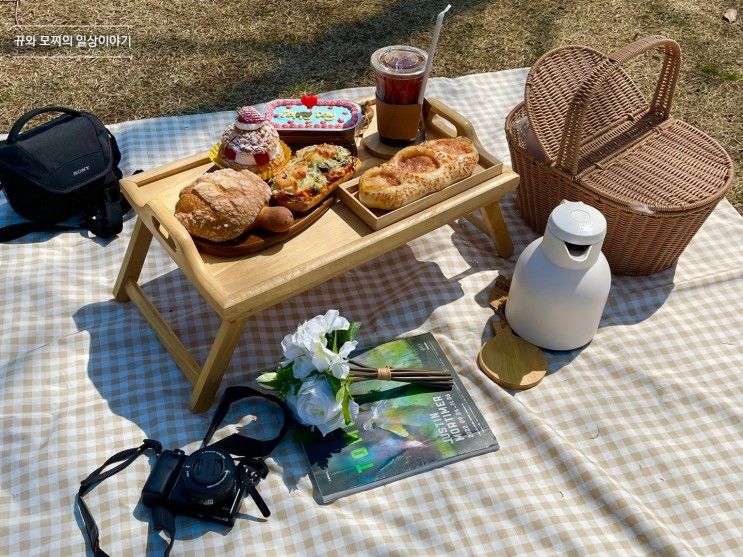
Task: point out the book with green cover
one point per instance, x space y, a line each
401 429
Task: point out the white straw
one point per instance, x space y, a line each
432 51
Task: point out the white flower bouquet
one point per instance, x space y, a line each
315 375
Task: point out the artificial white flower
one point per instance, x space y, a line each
332 321
303 366
316 405
300 342
265 379
325 359
339 366
306 349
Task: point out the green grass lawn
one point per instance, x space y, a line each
198 56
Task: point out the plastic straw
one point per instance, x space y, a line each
432 51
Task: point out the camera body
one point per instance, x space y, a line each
207 484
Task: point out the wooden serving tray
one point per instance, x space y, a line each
378 218
339 240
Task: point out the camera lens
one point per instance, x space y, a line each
209 476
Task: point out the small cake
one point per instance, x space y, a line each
310 120
251 143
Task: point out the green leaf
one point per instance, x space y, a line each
346 405
335 384
284 382
348 334
354 329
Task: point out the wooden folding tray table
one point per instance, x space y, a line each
289 268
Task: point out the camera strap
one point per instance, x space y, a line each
124 458
241 445
251 450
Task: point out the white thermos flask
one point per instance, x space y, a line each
561 281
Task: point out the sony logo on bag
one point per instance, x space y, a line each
80 170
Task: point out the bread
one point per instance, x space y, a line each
220 206
314 173
417 171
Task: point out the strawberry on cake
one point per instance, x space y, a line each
252 143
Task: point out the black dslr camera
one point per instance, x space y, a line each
206 484
209 484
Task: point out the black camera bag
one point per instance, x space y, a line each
62 168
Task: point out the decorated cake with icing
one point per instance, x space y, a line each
313 114
252 143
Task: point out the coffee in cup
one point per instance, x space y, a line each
399 72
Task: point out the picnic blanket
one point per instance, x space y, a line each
630 446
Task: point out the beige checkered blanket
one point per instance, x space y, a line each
631 446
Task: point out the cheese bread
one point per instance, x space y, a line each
417 171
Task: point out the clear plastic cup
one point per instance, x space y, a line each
399 73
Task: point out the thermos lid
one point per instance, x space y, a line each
577 223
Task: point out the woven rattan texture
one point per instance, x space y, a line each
679 167
550 88
656 179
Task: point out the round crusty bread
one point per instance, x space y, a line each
221 205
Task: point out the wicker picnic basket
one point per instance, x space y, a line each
586 133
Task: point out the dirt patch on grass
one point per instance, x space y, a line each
196 56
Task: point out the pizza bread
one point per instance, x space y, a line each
458 154
417 171
313 174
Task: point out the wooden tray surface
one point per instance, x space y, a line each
487 168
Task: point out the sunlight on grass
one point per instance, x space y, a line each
191 56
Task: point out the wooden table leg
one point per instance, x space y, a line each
498 230
207 379
133 260
216 363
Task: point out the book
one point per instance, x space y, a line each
401 429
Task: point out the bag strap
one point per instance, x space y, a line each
28 116
15 231
241 445
124 458
108 219
116 157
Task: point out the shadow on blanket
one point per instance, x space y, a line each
631 300
141 382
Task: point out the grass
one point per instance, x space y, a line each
207 55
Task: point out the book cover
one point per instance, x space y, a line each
401 429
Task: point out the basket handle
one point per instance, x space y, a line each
567 156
